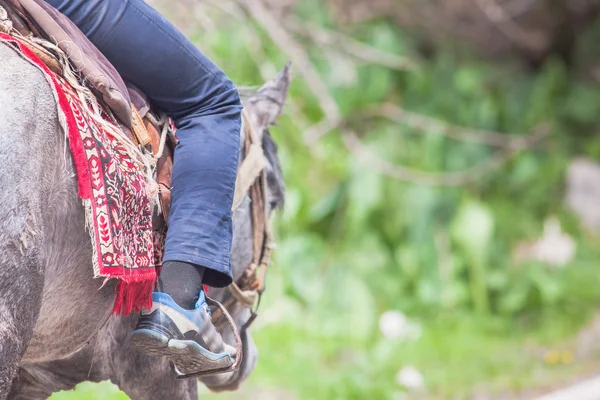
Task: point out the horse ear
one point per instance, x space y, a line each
266 104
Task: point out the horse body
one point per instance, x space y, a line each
56 327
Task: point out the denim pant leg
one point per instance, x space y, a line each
151 53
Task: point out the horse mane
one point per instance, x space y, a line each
275 173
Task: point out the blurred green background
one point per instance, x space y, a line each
427 248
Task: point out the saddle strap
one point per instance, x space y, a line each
146 134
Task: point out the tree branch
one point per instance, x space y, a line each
428 124
505 23
460 178
296 53
351 46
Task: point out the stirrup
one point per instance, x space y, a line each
238 349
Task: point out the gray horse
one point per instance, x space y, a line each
56 327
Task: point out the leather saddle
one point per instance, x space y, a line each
129 105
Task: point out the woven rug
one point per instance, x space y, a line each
113 189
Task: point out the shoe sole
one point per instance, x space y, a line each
187 356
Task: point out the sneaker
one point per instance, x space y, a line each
186 337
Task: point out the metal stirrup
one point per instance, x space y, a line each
238 349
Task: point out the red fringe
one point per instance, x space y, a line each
133 296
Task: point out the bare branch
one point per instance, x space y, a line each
505 23
516 8
313 133
230 8
428 124
203 19
460 178
267 69
351 46
297 54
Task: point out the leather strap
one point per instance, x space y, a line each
246 297
139 129
146 134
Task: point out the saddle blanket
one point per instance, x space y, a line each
112 187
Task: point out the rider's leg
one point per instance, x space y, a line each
204 104
151 53
182 281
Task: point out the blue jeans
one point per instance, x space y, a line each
152 54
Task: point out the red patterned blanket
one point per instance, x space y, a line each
113 189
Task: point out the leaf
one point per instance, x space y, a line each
418 212
472 230
429 292
583 105
300 259
347 308
327 204
367 254
467 81
548 287
516 299
293 202
408 259
365 192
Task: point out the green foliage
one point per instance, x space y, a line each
472 231
91 391
353 241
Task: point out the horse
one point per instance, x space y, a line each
56 324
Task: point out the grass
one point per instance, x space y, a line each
457 355
91 391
